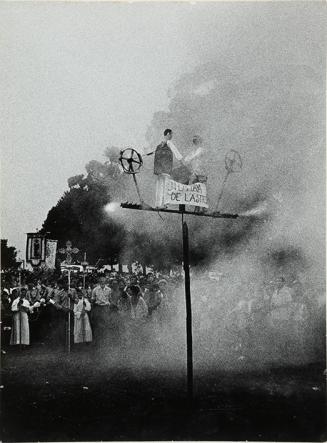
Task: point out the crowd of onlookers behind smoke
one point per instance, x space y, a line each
124 309
39 311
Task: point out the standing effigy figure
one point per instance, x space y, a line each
163 165
194 161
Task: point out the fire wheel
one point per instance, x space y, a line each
131 161
233 161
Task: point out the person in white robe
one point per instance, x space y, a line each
82 327
20 333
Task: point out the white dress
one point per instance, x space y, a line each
20 333
82 327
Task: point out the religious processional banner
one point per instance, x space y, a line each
179 194
35 248
50 256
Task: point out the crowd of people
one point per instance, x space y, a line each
106 309
129 310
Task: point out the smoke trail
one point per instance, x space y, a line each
257 211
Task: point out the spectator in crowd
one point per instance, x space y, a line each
101 293
125 311
64 297
153 297
6 317
138 327
61 308
134 281
124 301
300 315
150 278
100 313
115 292
280 304
6 299
142 283
280 316
165 310
32 294
139 309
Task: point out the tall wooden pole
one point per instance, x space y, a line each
20 312
69 327
84 269
19 279
189 344
20 327
181 210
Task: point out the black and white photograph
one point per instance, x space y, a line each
163 198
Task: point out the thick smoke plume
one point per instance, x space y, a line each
273 114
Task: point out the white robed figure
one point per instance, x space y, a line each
82 327
194 161
20 333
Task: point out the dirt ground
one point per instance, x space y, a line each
78 397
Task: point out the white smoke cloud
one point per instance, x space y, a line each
262 95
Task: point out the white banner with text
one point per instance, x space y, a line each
179 194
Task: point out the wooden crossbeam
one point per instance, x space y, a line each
145 207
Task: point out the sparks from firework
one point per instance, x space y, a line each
112 207
260 209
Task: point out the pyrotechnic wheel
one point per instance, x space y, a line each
130 160
233 161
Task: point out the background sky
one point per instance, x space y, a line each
78 77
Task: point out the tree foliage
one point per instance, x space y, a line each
8 256
79 215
